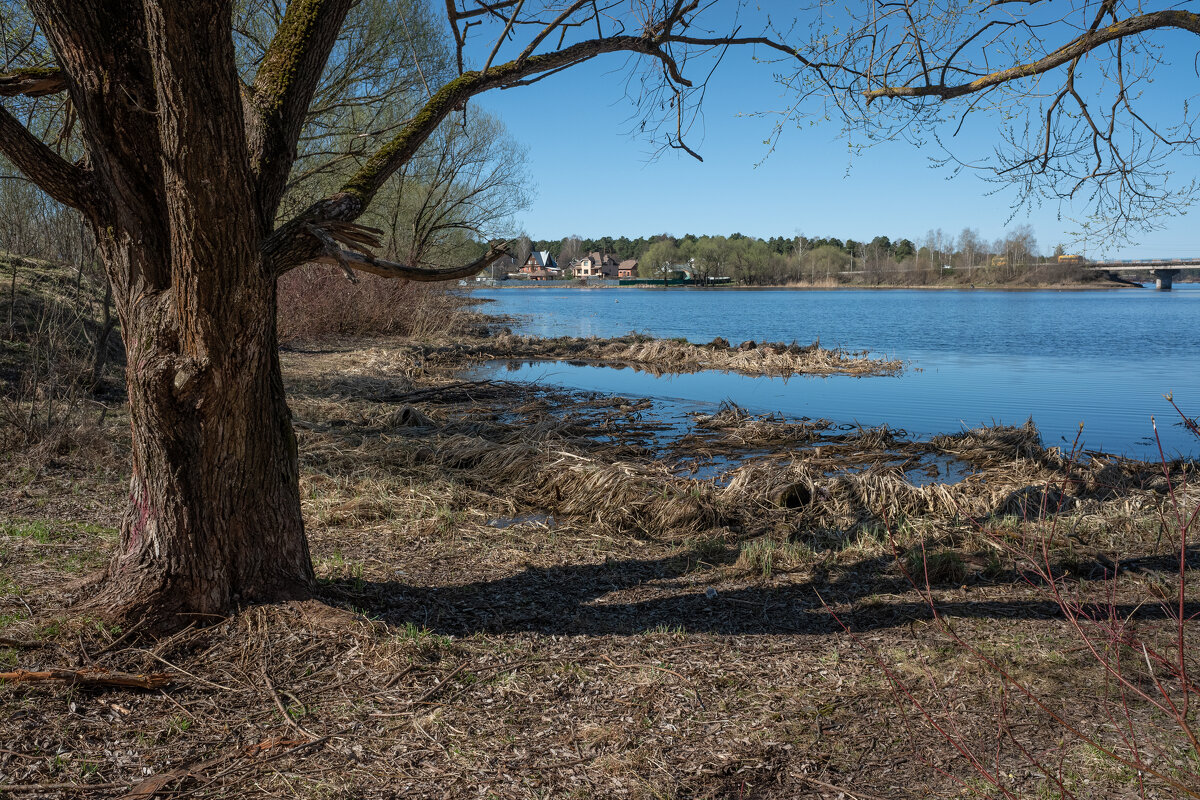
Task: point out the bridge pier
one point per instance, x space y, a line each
1163 279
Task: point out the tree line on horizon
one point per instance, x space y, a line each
752 260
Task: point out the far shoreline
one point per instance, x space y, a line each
1081 287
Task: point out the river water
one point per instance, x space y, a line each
1103 359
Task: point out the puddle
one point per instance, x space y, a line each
715 467
938 468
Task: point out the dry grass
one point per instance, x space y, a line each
521 596
659 356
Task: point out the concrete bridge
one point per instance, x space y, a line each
1165 270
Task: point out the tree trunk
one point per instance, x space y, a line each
214 519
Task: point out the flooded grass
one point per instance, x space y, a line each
659 356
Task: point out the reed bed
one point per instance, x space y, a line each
659 356
604 462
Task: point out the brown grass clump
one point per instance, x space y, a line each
736 427
660 356
642 499
998 444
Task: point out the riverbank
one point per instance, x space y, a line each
1063 358
1081 286
525 591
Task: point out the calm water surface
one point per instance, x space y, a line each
1104 358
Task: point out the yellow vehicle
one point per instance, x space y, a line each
1072 259
999 261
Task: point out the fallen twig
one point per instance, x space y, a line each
58 787
854 793
644 666
21 644
287 717
429 695
91 677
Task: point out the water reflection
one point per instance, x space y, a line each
1103 359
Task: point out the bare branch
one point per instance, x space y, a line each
332 250
455 93
391 269
716 41
550 28
67 183
1184 20
1090 149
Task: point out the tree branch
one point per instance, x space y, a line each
454 94
67 183
1184 20
717 41
390 269
288 246
33 82
283 88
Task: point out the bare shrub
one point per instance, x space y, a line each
60 352
317 301
1130 626
42 405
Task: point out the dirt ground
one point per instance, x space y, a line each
528 593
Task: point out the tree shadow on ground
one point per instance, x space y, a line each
634 596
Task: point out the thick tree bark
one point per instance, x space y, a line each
214 510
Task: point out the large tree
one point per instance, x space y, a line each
183 171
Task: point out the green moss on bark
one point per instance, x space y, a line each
282 60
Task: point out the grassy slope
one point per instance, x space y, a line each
48 308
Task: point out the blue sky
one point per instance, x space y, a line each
593 178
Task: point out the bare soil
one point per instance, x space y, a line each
533 593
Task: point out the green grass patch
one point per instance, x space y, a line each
938 566
49 531
766 555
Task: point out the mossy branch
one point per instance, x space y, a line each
288 247
283 88
402 147
33 82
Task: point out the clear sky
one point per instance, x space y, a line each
593 178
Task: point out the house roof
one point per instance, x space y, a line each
629 263
542 258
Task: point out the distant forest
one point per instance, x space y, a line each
750 260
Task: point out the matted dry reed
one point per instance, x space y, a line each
658 356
